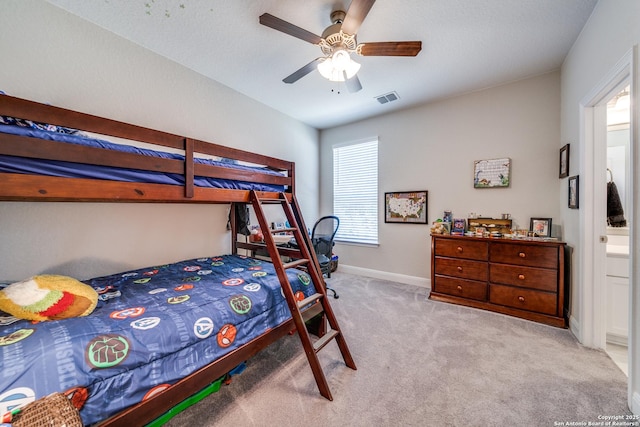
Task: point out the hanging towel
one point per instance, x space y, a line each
615 213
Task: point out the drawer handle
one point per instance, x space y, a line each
522 255
521 276
459 288
521 299
459 249
459 268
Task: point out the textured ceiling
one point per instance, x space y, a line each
467 45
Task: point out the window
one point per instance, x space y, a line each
355 191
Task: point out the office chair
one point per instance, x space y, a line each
324 230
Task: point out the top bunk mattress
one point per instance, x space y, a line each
56 168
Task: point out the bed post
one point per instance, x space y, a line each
292 175
188 168
233 226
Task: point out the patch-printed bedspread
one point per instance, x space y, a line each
151 327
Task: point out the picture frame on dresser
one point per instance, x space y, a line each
574 190
459 225
541 226
564 161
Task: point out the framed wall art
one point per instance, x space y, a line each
541 226
406 207
564 161
574 188
491 173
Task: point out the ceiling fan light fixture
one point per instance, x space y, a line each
338 66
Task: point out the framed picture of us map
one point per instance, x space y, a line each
406 207
491 173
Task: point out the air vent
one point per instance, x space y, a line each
389 97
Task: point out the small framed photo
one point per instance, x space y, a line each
564 161
406 208
574 189
459 225
541 226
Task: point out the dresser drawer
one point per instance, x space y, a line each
462 268
526 277
530 255
468 249
461 288
525 299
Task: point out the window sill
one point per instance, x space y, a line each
351 243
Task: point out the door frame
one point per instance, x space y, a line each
592 251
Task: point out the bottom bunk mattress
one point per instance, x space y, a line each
151 327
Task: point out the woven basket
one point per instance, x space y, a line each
55 410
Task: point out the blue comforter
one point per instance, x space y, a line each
152 327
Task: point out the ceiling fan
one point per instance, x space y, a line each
338 42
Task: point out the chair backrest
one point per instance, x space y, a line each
324 230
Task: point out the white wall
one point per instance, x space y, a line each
433 148
610 33
49 55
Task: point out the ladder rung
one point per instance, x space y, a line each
281 230
331 334
308 300
271 201
311 311
295 263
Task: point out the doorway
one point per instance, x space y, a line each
618 196
593 213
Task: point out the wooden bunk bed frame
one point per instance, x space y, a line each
24 187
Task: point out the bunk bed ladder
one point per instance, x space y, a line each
308 260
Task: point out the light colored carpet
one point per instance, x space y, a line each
421 363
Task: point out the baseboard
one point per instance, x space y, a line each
574 327
635 404
617 339
384 275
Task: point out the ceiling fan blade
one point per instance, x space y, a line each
288 28
297 75
358 10
390 48
353 84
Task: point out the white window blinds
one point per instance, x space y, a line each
355 191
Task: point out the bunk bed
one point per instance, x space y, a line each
49 153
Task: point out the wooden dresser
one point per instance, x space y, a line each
523 278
